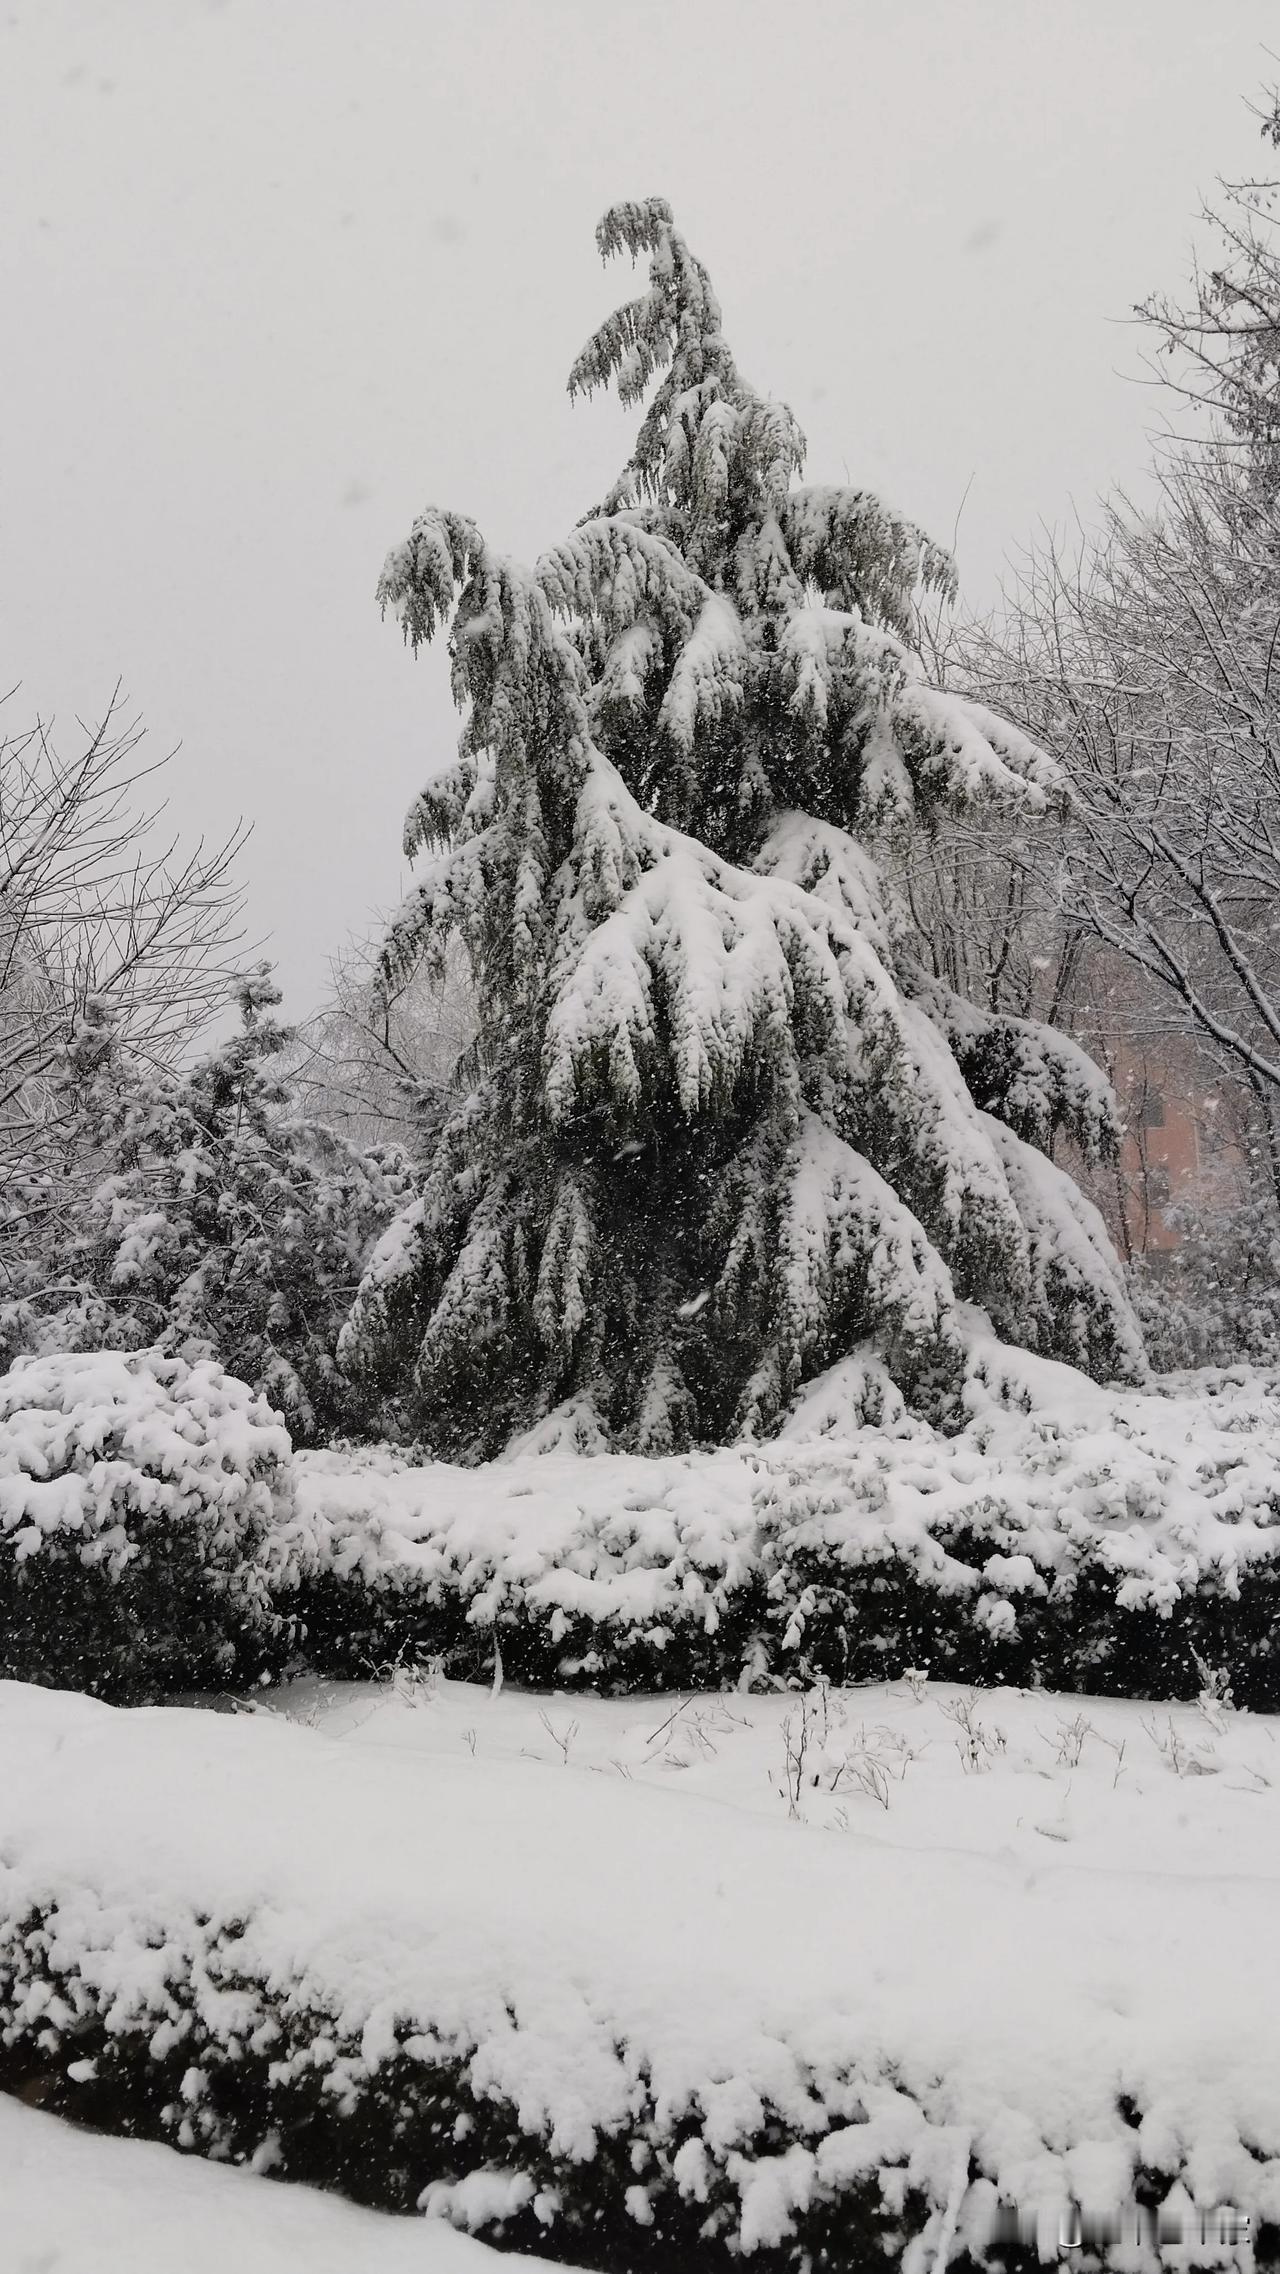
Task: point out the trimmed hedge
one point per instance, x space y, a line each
1101 1542
158 1537
284 2089
803 1616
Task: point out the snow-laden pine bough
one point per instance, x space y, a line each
628 2025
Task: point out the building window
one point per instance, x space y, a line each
1153 1110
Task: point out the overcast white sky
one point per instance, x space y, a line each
274 274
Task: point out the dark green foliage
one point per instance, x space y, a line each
163 1627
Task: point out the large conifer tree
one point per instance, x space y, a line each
720 1128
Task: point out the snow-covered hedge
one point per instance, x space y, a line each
587 2014
1109 1541
411 2112
1071 1537
144 1518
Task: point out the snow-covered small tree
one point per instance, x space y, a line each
724 1127
220 1222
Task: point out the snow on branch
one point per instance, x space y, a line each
1079 1307
615 569
1037 1080
852 1261
858 552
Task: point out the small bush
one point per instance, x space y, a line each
144 1524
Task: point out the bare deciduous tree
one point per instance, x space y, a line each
381 1054
102 917
1154 669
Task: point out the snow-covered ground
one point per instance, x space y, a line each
72 2202
968 1924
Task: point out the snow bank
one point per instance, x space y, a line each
597 1978
77 2204
1069 1535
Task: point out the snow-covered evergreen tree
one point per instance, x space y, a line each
720 1127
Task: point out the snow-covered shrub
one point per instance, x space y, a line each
1214 1300
1068 1536
213 2052
145 1510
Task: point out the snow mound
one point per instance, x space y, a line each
78 2204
